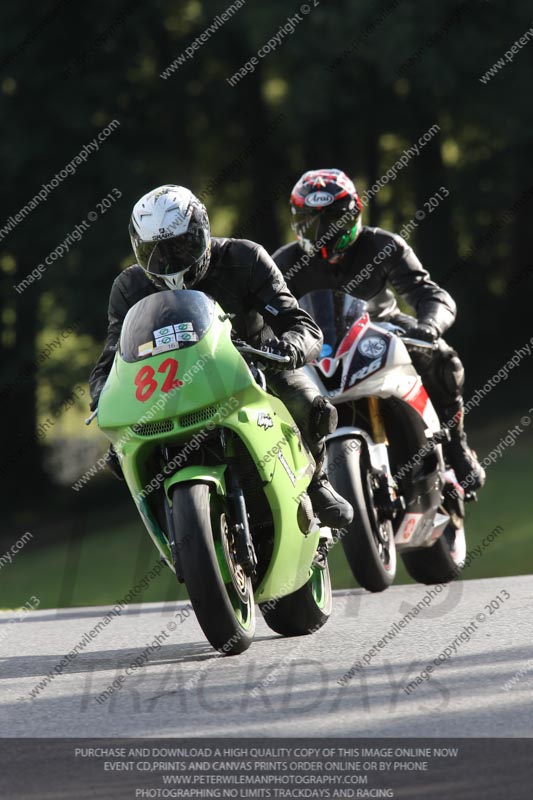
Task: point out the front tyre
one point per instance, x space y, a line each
220 593
368 541
440 563
305 610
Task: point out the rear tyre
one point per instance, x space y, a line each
368 542
220 593
305 610
440 563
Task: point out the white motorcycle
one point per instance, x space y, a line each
386 455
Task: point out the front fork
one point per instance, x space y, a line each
385 494
245 554
239 527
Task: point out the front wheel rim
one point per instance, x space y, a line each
239 587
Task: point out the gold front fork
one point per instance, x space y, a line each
376 421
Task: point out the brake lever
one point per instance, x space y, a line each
90 419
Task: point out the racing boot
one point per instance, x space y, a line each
331 509
461 458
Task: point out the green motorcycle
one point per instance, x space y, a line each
217 469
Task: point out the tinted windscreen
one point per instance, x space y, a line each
334 313
165 321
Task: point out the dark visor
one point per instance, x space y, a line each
173 255
325 225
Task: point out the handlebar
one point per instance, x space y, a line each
420 343
253 351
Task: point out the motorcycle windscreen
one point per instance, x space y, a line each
334 313
165 321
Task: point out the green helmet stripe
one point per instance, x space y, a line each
348 238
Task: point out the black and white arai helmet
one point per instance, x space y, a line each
170 236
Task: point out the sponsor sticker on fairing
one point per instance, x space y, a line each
168 330
186 336
287 468
145 349
164 348
373 346
165 339
183 326
264 420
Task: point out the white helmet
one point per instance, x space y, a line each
170 236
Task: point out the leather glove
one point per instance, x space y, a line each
423 330
279 347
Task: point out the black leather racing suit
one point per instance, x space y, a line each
244 280
376 260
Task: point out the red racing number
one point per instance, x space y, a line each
147 384
171 382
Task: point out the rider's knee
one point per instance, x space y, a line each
453 372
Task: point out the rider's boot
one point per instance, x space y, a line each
461 458
331 509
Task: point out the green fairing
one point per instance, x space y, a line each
215 377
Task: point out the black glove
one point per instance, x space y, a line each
279 347
423 330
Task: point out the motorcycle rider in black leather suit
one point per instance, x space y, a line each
335 251
170 235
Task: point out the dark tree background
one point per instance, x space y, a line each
331 95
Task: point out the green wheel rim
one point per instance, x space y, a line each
318 587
